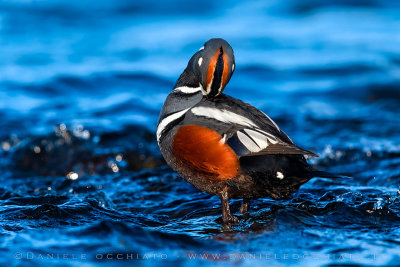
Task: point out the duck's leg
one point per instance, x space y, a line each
227 217
245 205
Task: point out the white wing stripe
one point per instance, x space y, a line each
270 137
222 116
167 120
254 139
247 142
260 139
251 137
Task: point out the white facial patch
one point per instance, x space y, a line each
279 175
167 120
187 90
200 61
222 116
201 48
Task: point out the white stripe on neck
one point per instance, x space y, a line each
167 120
187 90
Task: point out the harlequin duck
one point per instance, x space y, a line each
222 145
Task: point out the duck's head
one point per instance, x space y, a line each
212 66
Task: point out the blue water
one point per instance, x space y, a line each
81 86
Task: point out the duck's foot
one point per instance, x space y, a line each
227 217
232 219
245 206
227 225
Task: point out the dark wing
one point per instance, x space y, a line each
254 141
247 130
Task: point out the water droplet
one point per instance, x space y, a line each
85 134
5 146
118 158
37 149
378 205
72 175
114 167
